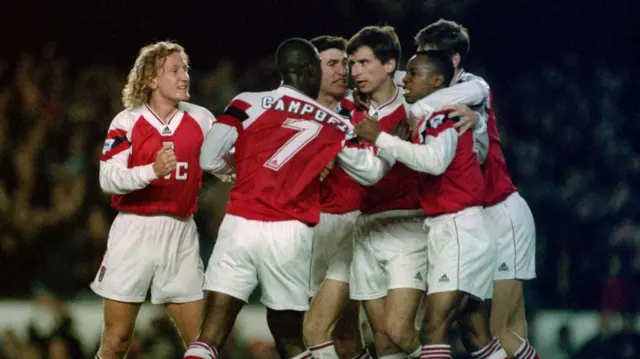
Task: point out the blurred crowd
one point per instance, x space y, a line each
568 130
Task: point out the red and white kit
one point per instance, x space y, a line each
461 254
508 217
283 140
153 242
389 242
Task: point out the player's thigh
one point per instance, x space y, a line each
332 248
403 251
179 271
367 280
128 265
231 269
461 255
283 264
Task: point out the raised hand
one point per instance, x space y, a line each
165 162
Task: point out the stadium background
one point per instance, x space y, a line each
565 86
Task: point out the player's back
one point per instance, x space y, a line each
461 185
498 183
285 141
397 189
136 135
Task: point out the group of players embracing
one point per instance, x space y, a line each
394 198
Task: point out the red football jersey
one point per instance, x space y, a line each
285 140
339 193
462 184
397 189
133 140
498 183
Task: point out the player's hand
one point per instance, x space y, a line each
468 118
368 129
401 130
165 162
360 100
325 172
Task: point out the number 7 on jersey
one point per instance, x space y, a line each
306 132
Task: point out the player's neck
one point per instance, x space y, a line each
327 100
164 110
456 74
385 93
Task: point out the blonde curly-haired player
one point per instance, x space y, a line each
150 164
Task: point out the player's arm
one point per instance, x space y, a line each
433 157
472 93
363 165
115 175
217 156
481 139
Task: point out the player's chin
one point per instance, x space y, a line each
182 96
409 99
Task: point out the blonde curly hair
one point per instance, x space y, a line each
149 62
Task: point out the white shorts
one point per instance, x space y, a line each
332 248
510 224
461 254
158 252
276 255
388 253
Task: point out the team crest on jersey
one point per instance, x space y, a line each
108 144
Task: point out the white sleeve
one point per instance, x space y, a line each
433 157
470 93
481 137
363 165
216 153
116 178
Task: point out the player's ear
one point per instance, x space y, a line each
438 81
153 84
390 66
456 58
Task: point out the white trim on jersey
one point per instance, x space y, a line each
363 165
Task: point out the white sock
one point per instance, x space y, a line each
436 351
201 350
416 353
393 356
304 355
364 354
324 351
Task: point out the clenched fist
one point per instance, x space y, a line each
165 162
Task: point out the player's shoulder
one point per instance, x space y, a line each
199 113
246 99
440 118
126 118
468 77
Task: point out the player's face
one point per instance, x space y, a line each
419 82
334 72
368 71
172 81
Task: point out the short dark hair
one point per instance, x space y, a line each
439 62
447 36
326 42
382 40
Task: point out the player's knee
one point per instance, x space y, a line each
116 340
384 345
399 331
